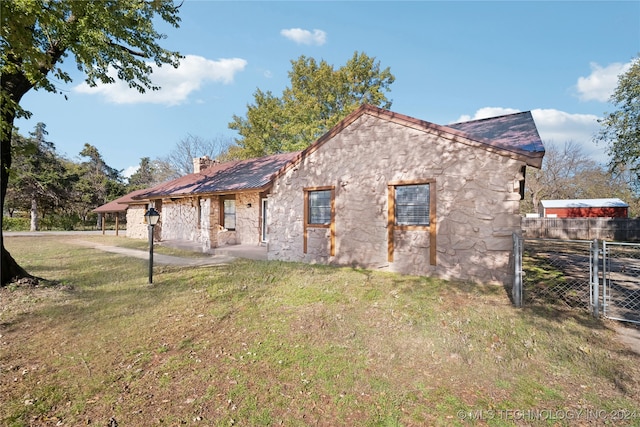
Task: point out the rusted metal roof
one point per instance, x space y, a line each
514 132
228 177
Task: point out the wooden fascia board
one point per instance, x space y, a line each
211 193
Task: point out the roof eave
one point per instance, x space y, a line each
156 196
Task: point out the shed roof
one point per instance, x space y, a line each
584 203
251 174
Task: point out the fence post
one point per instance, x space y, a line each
595 282
516 292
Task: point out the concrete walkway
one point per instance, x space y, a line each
255 252
158 258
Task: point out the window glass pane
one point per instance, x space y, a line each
320 207
229 214
412 204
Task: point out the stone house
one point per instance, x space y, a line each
380 190
386 191
219 204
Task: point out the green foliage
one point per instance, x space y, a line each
143 177
108 35
317 99
38 174
15 224
108 39
621 128
64 192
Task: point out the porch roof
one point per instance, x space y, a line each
120 204
228 177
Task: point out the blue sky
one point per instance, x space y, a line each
453 61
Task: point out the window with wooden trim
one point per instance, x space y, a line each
319 207
228 213
319 212
412 207
412 204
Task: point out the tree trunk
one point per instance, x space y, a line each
15 85
34 215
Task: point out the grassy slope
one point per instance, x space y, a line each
270 343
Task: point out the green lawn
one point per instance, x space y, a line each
271 343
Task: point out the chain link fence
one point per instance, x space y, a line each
598 276
621 290
557 272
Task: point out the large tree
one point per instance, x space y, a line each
143 177
98 183
621 128
101 36
39 179
317 99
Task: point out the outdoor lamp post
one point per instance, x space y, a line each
152 216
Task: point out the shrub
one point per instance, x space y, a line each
15 224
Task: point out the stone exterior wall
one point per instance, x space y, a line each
136 228
197 219
476 197
181 219
248 218
206 225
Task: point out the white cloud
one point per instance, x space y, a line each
600 84
176 83
130 171
557 127
300 36
486 112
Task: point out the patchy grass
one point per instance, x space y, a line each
271 343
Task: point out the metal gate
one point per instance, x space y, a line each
559 272
621 281
601 277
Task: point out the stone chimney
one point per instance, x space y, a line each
201 163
